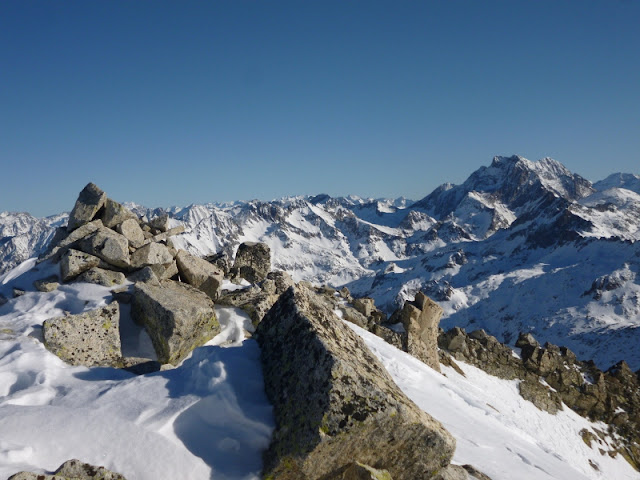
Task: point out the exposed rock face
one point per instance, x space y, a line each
200 274
89 202
108 245
177 317
420 319
90 338
75 262
335 403
72 470
258 299
253 262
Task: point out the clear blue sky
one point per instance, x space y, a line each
178 102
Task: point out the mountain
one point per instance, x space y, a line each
519 246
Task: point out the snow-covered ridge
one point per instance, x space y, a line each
516 247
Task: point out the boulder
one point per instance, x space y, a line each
70 240
90 200
145 275
420 319
177 317
72 470
160 223
253 262
364 305
100 276
90 339
130 228
334 403
108 245
75 262
116 213
358 471
164 236
165 271
48 284
199 273
540 395
151 254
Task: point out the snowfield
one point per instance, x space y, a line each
210 419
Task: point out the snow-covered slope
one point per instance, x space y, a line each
520 245
209 417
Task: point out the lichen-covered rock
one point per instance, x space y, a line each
177 317
420 319
90 200
72 470
90 339
75 262
130 228
151 254
253 262
48 284
100 276
334 403
199 273
108 245
116 213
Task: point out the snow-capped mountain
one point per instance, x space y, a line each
519 246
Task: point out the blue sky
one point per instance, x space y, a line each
171 102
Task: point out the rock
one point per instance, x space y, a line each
452 472
151 254
48 284
345 294
70 241
474 473
334 403
541 396
160 223
358 471
199 273
364 305
526 340
140 366
72 470
145 275
130 228
388 335
164 236
177 317
116 213
220 260
253 262
122 295
90 339
90 200
420 319
18 292
108 245
100 276
165 271
75 262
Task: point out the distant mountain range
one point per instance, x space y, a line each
519 246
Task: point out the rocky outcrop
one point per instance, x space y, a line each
258 299
72 470
89 339
420 320
334 403
89 203
200 273
253 262
177 317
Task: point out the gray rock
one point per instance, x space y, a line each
116 213
420 319
160 223
140 366
75 262
177 317
145 275
540 395
165 271
90 338
164 236
18 292
151 254
253 262
364 305
108 245
464 472
100 276
48 284
72 470
70 240
358 471
199 273
334 403
130 228
90 200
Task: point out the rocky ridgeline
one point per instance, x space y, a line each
551 376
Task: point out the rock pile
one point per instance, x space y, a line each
105 243
71 470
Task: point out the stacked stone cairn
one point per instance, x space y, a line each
172 295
